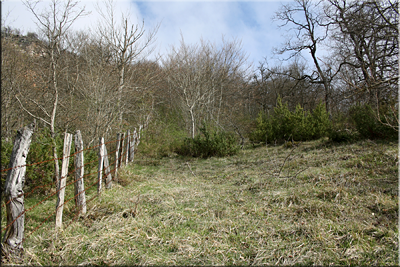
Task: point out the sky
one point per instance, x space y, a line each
247 21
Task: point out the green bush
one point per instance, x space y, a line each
367 124
282 124
342 130
340 135
318 123
37 175
6 149
41 150
163 136
209 143
263 129
298 125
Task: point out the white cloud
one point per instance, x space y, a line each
249 22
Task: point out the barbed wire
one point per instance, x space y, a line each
45 161
105 175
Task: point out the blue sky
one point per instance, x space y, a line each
248 21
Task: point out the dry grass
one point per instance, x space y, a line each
319 203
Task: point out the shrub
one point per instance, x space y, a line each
341 130
263 127
6 149
340 135
41 150
367 124
281 122
298 125
209 143
164 135
318 123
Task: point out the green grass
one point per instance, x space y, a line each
320 203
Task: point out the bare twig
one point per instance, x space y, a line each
187 163
288 177
279 173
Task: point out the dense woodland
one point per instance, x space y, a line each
102 81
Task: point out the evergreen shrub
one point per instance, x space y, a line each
209 143
298 125
368 125
6 149
41 150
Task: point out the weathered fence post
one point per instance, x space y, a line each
132 146
117 155
138 138
80 198
107 168
122 149
101 161
128 141
63 179
14 193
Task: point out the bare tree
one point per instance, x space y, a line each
287 82
15 77
201 77
93 85
365 37
53 24
128 42
310 30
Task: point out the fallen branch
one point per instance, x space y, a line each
187 163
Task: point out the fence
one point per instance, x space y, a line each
13 233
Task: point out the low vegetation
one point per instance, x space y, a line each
315 202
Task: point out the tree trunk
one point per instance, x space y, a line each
14 194
53 119
120 89
192 121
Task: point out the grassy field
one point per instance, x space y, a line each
318 203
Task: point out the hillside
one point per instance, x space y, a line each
318 203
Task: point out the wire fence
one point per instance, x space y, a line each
121 155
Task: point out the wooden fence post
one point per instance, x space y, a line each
107 168
128 141
101 161
138 139
122 149
80 199
132 146
117 154
14 193
63 179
